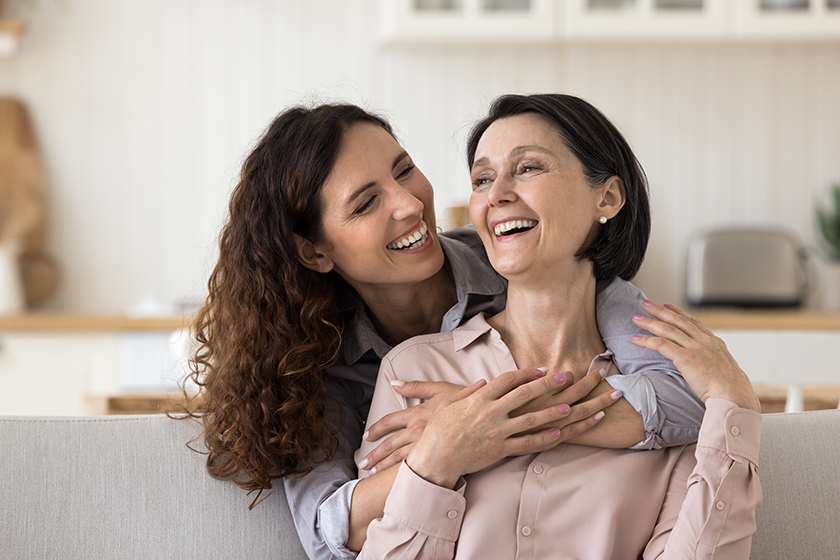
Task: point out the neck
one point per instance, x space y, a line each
552 323
400 312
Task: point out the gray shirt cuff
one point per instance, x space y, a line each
334 514
638 390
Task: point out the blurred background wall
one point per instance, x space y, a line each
145 109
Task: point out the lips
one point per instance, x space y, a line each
411 241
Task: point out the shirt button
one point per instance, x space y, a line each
720 506
734 430
538 469
526 530
452 514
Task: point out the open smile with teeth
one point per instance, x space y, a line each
513 226
412 241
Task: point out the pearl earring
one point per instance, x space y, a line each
603 219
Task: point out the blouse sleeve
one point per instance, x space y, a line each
422 521
709 508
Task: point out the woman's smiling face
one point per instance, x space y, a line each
531 203
378 214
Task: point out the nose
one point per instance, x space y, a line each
501 191
405 204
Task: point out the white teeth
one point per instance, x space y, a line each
513 224
416 238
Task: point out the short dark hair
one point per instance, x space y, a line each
603 152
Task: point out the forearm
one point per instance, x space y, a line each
368 503
621 427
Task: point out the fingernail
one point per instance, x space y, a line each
564 409
559 378
638 317
479 381
365 437
555 433
648 303
539 372
603 373
669 306
397 383
371 472
615 395
599 415
363 465
636 337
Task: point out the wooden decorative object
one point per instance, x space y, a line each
23 200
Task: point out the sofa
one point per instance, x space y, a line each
120 487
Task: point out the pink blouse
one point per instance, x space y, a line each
572 501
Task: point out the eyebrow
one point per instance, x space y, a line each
514 152
358 192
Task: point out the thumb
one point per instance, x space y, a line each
419 389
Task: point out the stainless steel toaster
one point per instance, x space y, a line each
747 267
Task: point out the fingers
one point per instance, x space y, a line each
389 423
512 381
392 450
582 388
424 390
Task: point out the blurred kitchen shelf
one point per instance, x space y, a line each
10 32
815 397
134 403
88 323
749 320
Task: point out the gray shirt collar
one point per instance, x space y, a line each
473 277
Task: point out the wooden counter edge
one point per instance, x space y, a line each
749 320
89 323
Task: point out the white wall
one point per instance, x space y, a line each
145 109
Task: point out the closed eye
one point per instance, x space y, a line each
365 207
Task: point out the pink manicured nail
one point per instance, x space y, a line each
363 464
555 433
638 317
599 415
559 378
564 409
371 472
365 437
603 373
636 337
615 395
669 306
539 372
648 303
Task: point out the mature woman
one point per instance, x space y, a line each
555 167
330 257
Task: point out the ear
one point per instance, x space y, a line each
309 256
612 197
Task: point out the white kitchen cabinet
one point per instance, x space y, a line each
444 21
559 21
53 371
805 20
613 20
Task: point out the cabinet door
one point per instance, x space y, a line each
453 21
608 20
788 19
50 374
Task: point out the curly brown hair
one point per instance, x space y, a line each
270 326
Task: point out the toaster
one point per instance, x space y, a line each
746 267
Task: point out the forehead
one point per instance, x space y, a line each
365 151
521 130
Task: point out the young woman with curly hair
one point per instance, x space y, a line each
329 258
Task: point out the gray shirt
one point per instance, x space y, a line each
320 501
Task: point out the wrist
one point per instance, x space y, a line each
428 469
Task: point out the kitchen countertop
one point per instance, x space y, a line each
61 322
715 319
